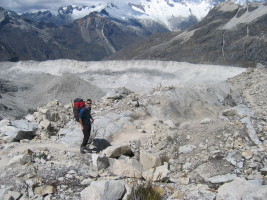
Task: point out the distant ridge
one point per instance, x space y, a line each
230 34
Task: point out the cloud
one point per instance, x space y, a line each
33 5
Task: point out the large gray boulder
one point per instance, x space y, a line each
18 130
126 168
118 150
118 93
241 189
149 160
100 161
104 190
109 124
71 135
160 173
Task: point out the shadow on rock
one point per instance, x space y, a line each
100 144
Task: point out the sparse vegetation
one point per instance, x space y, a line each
145 191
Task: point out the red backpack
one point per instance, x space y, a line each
78 105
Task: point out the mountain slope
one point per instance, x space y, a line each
90 38
229 34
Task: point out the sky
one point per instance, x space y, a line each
21 6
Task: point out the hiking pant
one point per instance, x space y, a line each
86 134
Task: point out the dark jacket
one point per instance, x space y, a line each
85 115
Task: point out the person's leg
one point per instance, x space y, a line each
86 135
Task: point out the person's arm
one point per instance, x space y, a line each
80 118
92 120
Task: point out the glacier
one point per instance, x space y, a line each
138 75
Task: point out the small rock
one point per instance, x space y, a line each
229 113
186 148
222 178
86 182
177 195
43 110
160 173
205 121
247 154
43 190
184 125
45 124
184 180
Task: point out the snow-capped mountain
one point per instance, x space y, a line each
172 14
107 28
169 13
230 34
92 37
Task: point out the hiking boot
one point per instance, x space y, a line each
82 150
87 148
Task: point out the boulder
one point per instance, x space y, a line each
30 118
11 195
149 160
241 189
18 130
71 135
52 116
205 121
186 148
160 173
184 180
26 129
43 190
117 151
100 161
5 122
251 131
247 154
104 190
4 190
45 124
126 169
15 159
118 93
229 113
43 110
9 133
222 178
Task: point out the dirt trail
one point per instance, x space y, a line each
131 133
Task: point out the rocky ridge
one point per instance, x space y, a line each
230 34
201 152
92 37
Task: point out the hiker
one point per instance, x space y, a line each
86 120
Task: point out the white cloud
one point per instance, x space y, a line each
33 5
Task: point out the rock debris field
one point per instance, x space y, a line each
192 131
